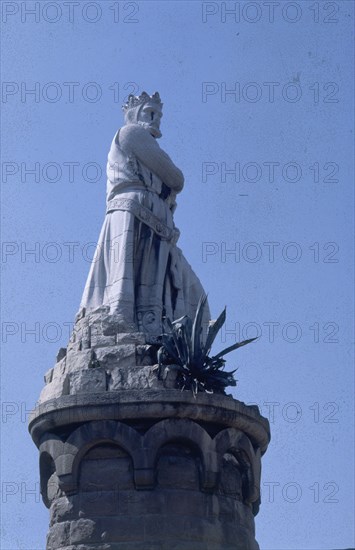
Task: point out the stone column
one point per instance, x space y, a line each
129 462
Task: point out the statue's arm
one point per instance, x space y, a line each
135 139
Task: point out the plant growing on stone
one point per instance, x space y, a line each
183 346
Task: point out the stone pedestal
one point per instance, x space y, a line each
128 462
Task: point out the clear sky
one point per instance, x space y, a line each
258 113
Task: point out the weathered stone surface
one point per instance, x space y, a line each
87 381
60 368
121 529
74 345
151 404
58 387
61 353
53 489
67 380
83 530
116 379
78 360
230 477
130 352
131 338
48 376
117 356
142 377
59 535
80 315
194 498
98 340
133 378
104 505
62 509
178 467
139 502
103 475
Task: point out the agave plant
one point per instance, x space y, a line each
183 346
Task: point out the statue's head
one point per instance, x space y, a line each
145 110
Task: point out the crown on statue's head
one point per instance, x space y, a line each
134 101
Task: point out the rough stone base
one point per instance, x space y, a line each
102 356
107 510
185 474
129 462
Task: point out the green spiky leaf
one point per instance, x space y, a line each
213 330
183 345
233 347
197 329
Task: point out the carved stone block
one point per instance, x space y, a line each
87 381
114 356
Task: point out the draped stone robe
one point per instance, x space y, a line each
138 271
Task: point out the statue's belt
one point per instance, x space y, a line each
146 216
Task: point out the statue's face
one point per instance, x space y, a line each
150 116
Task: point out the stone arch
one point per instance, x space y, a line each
238 444
51 444
105 468
90 435
50 447
186 431
47 469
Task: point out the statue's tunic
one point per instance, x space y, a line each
138 271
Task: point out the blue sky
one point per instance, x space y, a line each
258 111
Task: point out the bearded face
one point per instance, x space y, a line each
147 115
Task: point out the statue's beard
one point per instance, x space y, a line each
153 130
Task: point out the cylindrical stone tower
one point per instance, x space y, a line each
130 462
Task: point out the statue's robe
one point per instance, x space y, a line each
138 271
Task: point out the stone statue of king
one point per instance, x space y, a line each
138 272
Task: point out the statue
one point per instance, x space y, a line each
138 271
124 413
